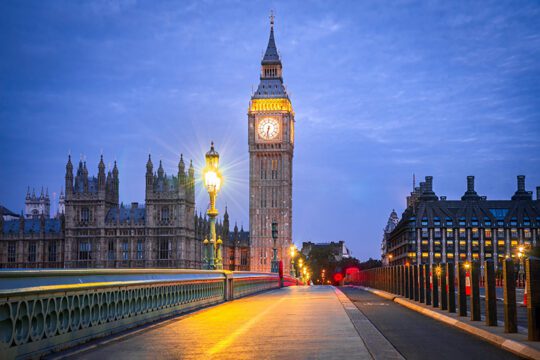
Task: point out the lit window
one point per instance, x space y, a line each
437 255
475 233
462 233
424 232
487 243
475 256
425 254
449 233
513 243
487 233
500 242
462 243
513 233
475 243
527 233
450 255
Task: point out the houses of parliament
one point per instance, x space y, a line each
94 230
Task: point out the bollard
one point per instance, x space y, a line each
411 282
434 287
428 284
407 278
421 285
532 273
491 296
475 291
444 289
462 292
395 280
451 281
510 306
400 279
415 282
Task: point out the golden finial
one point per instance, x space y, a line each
272 19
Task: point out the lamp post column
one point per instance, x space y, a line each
212 181
275 263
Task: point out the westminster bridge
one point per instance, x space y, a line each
197 314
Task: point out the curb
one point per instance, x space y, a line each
515 347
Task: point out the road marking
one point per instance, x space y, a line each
229 339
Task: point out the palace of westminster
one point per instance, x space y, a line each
94 230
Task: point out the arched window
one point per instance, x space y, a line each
165 214
85 214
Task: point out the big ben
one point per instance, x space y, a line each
271 147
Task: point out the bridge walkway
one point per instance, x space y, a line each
288 323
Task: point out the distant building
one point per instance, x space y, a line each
35 206
7 214
337 249
434 230
92 229
391 224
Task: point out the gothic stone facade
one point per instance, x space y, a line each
436 230
271 145
96 231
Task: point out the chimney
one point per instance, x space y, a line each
521 183
470 183
429 184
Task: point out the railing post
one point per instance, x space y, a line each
407 269
532 273
421 284
428 284
415 282
435 286
490 292
401 272
509 287
396 280
451 281
444 289
475 291
411 282
462 294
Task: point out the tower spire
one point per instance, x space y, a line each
272 19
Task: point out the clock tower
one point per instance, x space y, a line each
271 145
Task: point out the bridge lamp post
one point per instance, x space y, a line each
275 262
212 181
293 252
521 272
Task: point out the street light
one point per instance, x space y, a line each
521 272
212 181
275 262
293 252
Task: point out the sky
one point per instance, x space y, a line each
381 90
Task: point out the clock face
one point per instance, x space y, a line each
268 128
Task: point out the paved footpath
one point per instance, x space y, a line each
289 323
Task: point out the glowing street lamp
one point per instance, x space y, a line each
293 252
212 181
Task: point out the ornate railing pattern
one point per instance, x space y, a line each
246 283
45 311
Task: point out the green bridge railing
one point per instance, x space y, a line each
42 311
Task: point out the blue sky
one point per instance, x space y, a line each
381 90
